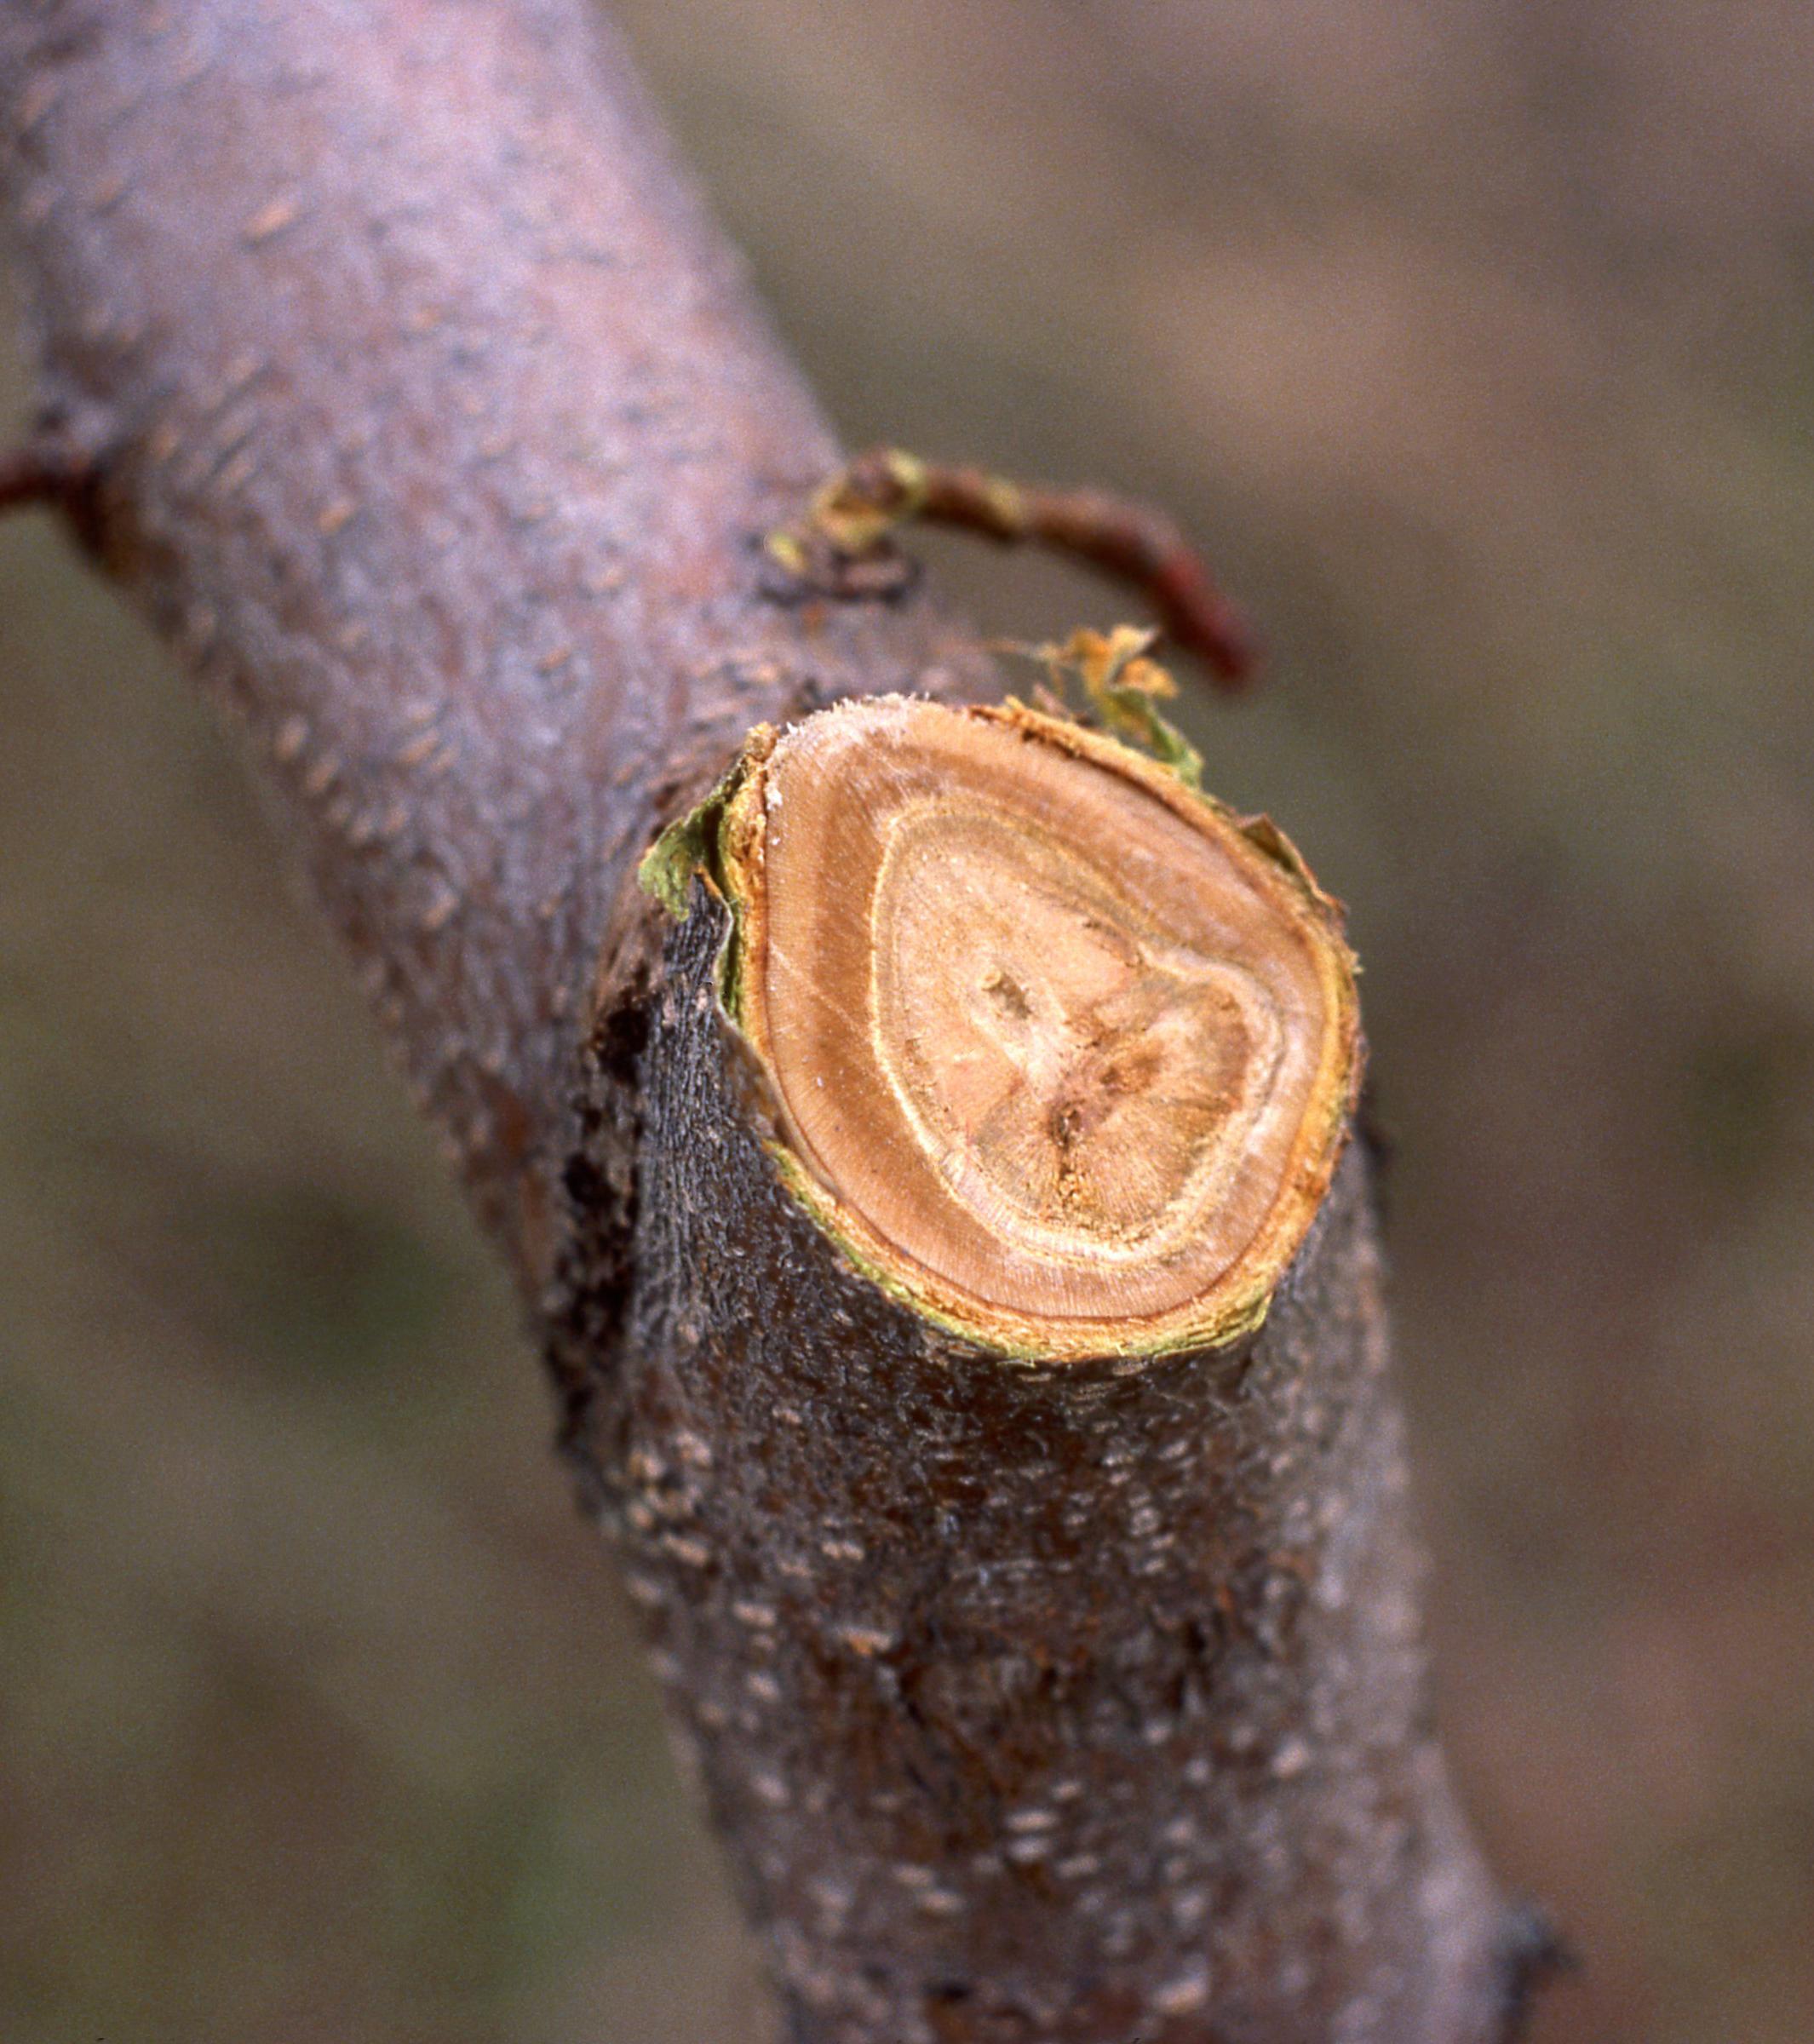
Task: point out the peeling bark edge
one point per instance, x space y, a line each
1071 1704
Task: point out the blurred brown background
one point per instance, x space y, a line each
1476 341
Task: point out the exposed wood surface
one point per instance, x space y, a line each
1064 1050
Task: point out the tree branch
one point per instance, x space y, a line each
1067 1697
844 535
441 429
48 469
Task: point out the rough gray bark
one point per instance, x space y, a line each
416 402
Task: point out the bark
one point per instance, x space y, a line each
419 406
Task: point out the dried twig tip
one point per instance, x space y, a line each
1122 684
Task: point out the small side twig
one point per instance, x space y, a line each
53 467
842 547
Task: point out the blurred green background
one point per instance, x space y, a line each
1477 342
